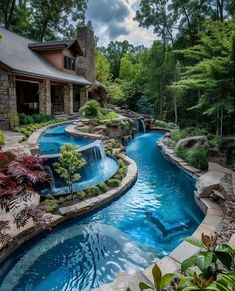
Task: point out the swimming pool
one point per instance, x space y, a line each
147 222
53 138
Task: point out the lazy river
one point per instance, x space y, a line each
144 224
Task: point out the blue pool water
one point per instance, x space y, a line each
51 141
146 223
96 170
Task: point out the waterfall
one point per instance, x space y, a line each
136 124
141 125
94 152
52 182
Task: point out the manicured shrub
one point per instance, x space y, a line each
52 205
113 183
93 191
103 187
1 138
198 158
90 109
35 118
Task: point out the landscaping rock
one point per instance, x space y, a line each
18 151
208 182
193 142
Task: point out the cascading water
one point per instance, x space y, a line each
136 124
98 168
141 125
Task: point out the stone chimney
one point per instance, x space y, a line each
86 63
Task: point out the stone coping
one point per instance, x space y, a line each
72 130
26 233
32 141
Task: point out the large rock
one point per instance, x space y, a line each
18 151
193 142
208 182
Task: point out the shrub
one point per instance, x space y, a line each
35 118
93 191
14 119
113 183
107 116
198 158
1 138
90 109
181 152
103 187
52 205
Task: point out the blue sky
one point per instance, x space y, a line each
113 20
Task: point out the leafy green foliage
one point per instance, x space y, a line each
35 118
113 182
13 119
30 129
107 116
68 165
2 138
90 109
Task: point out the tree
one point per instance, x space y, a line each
212 76
43 19
102 68
69 162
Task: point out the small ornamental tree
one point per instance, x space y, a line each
18 179
68 165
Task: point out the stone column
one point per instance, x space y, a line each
8 103
45 97
68 99
83 95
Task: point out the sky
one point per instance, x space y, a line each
113 20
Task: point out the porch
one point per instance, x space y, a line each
48 97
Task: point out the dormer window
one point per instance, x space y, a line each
69 63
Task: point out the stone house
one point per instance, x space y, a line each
52 77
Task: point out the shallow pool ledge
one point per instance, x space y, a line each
26 233
170 263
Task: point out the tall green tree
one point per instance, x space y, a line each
212 76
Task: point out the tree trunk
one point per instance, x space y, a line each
221 122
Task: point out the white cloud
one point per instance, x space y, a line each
113 20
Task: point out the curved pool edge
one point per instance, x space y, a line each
20 236
171 263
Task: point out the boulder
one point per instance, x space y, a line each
18 151
209 182
193 142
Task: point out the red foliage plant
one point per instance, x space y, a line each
18 179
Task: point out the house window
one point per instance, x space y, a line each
69 63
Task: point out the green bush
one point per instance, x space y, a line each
90 109
93 191
113 183
29 129
198 158
14 119
107 116
103 187
181 152
51 205
35 118
2 138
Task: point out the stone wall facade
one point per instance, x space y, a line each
86 63
45 97
8 104
68 99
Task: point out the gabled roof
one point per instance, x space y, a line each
56 44
15 53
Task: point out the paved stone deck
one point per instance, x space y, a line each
12 139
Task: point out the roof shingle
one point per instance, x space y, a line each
15 53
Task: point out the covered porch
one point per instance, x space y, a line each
48 96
